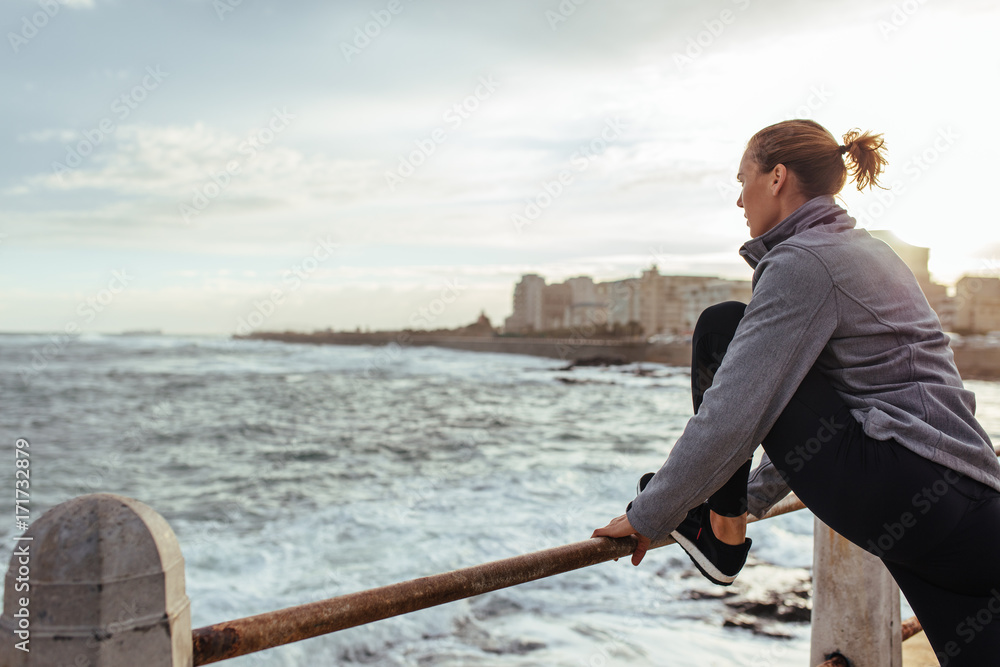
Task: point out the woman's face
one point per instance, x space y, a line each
760 207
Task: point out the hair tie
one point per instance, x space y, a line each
843 149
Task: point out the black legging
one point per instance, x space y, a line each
938 532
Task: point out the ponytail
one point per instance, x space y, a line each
865 156
810 151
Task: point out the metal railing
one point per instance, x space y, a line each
103 550
284 626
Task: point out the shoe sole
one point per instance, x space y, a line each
704 565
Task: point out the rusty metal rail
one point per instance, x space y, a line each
284 626
242 636
908 628
836 660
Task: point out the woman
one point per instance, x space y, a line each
839 368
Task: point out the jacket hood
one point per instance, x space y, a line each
818 211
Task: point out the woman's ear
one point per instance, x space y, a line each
779 176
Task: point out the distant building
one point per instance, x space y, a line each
539 307
584 308
657 304
556 301
622 299
651 304
665 301
977 305
528 312
481 327
700 296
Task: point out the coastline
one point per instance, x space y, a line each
567 349
974 362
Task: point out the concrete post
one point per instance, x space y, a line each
105 580
855 604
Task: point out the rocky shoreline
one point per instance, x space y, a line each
763 600
974 361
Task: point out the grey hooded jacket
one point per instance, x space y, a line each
828 294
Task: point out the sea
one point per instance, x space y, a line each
296 473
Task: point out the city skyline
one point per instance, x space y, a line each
179 166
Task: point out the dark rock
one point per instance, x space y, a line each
763 599
494 606
715 594
578 381
748 622
769 606
600 360
516 647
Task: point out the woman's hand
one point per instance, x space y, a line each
620 527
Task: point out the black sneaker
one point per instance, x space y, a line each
718 561
643 481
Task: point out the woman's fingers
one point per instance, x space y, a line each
620 527
640 549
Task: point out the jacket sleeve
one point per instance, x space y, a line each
765 488
791 316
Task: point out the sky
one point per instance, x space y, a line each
209 166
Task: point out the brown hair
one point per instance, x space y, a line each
809 150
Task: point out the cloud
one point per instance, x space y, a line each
43 136
142 168
162 161
664 184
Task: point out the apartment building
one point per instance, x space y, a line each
977 305
659 303
664 304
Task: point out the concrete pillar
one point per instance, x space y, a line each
106 589
855 604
